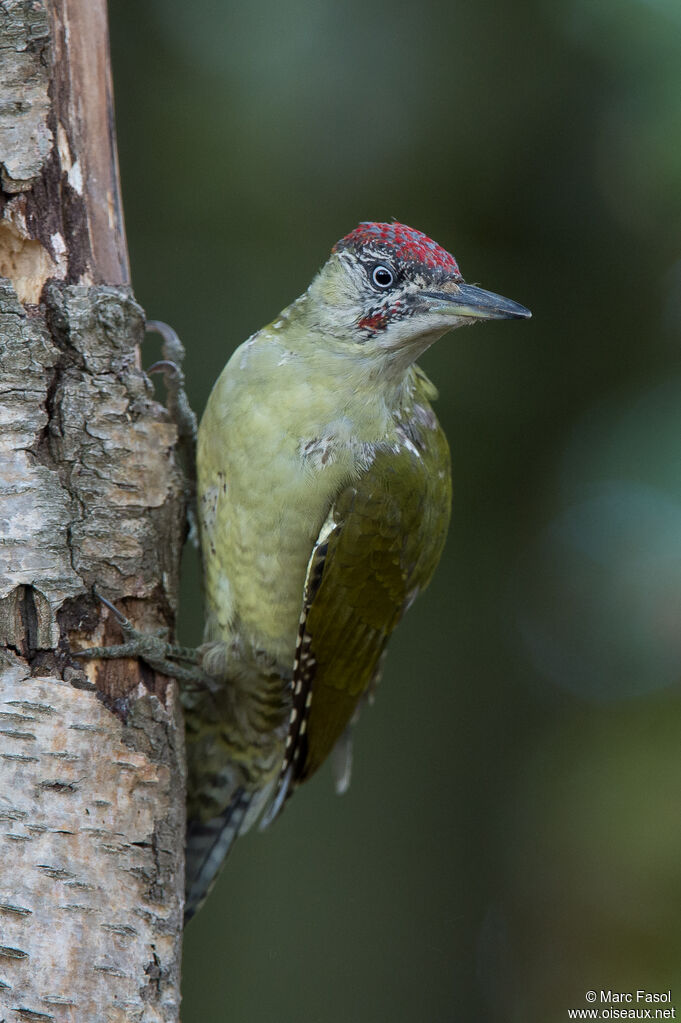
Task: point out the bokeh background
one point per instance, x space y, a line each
512 836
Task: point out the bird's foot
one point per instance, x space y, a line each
179 408
171 367
179 662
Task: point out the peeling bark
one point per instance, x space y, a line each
88 913
91 493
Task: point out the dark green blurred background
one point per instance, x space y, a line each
512 835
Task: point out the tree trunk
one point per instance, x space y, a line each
91 494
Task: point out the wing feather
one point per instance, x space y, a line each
378 548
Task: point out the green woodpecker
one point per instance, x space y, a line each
323 497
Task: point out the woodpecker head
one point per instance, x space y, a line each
390 289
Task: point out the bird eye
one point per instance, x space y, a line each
382 276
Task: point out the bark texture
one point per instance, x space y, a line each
91 494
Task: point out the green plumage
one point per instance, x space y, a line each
388 493
390 529
324 497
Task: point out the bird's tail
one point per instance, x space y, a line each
208 843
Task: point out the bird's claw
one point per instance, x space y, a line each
165 365
173 349
125 623
171 366
154 649
180 411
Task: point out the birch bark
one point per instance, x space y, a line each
91 493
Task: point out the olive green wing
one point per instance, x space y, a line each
376 551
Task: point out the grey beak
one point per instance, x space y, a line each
477 303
